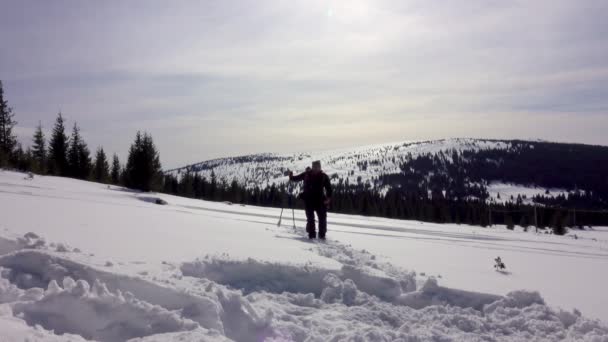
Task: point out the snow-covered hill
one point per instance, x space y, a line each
81 260
267 168
356 165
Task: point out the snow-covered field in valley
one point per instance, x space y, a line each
84 261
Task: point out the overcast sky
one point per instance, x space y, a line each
216 78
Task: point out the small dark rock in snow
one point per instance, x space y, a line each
109 264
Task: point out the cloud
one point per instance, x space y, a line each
232 77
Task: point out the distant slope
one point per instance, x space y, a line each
496 170
363 163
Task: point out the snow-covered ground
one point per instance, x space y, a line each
504 192
81 260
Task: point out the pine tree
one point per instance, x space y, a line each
58 149
27 161
143 170
234 193
20 159
559 223
115 173
186 185
153 166
79 156
213 187
132 172
101 168
509 222
73 152
39 150
8 141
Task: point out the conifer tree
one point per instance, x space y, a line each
213 186
143 170
186 185
509 222
20 159
101 168
8 140
39 150
79 156
115 173
58 149
26 161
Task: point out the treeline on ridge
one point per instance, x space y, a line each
69 155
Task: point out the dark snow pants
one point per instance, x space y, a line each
321 210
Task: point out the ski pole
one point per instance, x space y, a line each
293 211
280 218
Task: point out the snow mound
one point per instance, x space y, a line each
36 269
304 318
96 313
348 285
118 307
433 294
45 296
199 335
255 276
15 329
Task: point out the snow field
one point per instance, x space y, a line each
82 261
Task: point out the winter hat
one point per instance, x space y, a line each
316 164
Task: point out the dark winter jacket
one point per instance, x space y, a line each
314 184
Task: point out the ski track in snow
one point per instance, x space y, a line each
57 292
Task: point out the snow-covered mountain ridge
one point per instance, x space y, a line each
363 163
418 164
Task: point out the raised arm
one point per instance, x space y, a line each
297 178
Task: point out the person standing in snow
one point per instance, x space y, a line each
317 196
